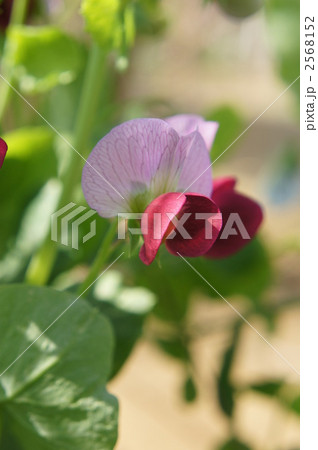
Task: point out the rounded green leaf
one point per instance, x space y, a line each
52 385
40 58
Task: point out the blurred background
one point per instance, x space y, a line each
198 377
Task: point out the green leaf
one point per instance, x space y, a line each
30 162
53 396
40 58
225 387
270 388
189 390
34 227
234 444
110 22
126 308
283 26
174 347
240 8
231 125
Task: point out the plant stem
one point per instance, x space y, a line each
102 257
43 261
18 13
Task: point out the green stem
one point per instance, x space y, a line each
101 259
18 14
42 262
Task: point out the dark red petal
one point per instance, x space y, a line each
155 223
200 242
229 201
3 151
223 184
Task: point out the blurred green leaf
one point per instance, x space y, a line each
174 347
270 388
189 390
149 16
295 405
126 308
240 8
53 396
110 22
225 388
231 124
33 229
248 272
40 58
283 19
234 444
30 162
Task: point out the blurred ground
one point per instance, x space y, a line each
203 60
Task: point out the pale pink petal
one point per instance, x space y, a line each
186 123
196 174
124 163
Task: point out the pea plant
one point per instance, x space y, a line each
111 222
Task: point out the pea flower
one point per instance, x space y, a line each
148 166
3 151
143 166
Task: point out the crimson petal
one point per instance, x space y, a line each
229 201
3 151
202 231
155 223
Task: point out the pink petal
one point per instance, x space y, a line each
139 160
127 159
3 151
187 123
229 201
155 223
196 174
200 241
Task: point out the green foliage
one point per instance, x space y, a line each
40 58
174 347
110 22
53 396
270 388
189 390
33 229
240 8
126 308
30 162
231 126
225 388
149 16
283 26
234 444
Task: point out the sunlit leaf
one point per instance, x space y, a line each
110 22
126 308
54 395
40 58
30 162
